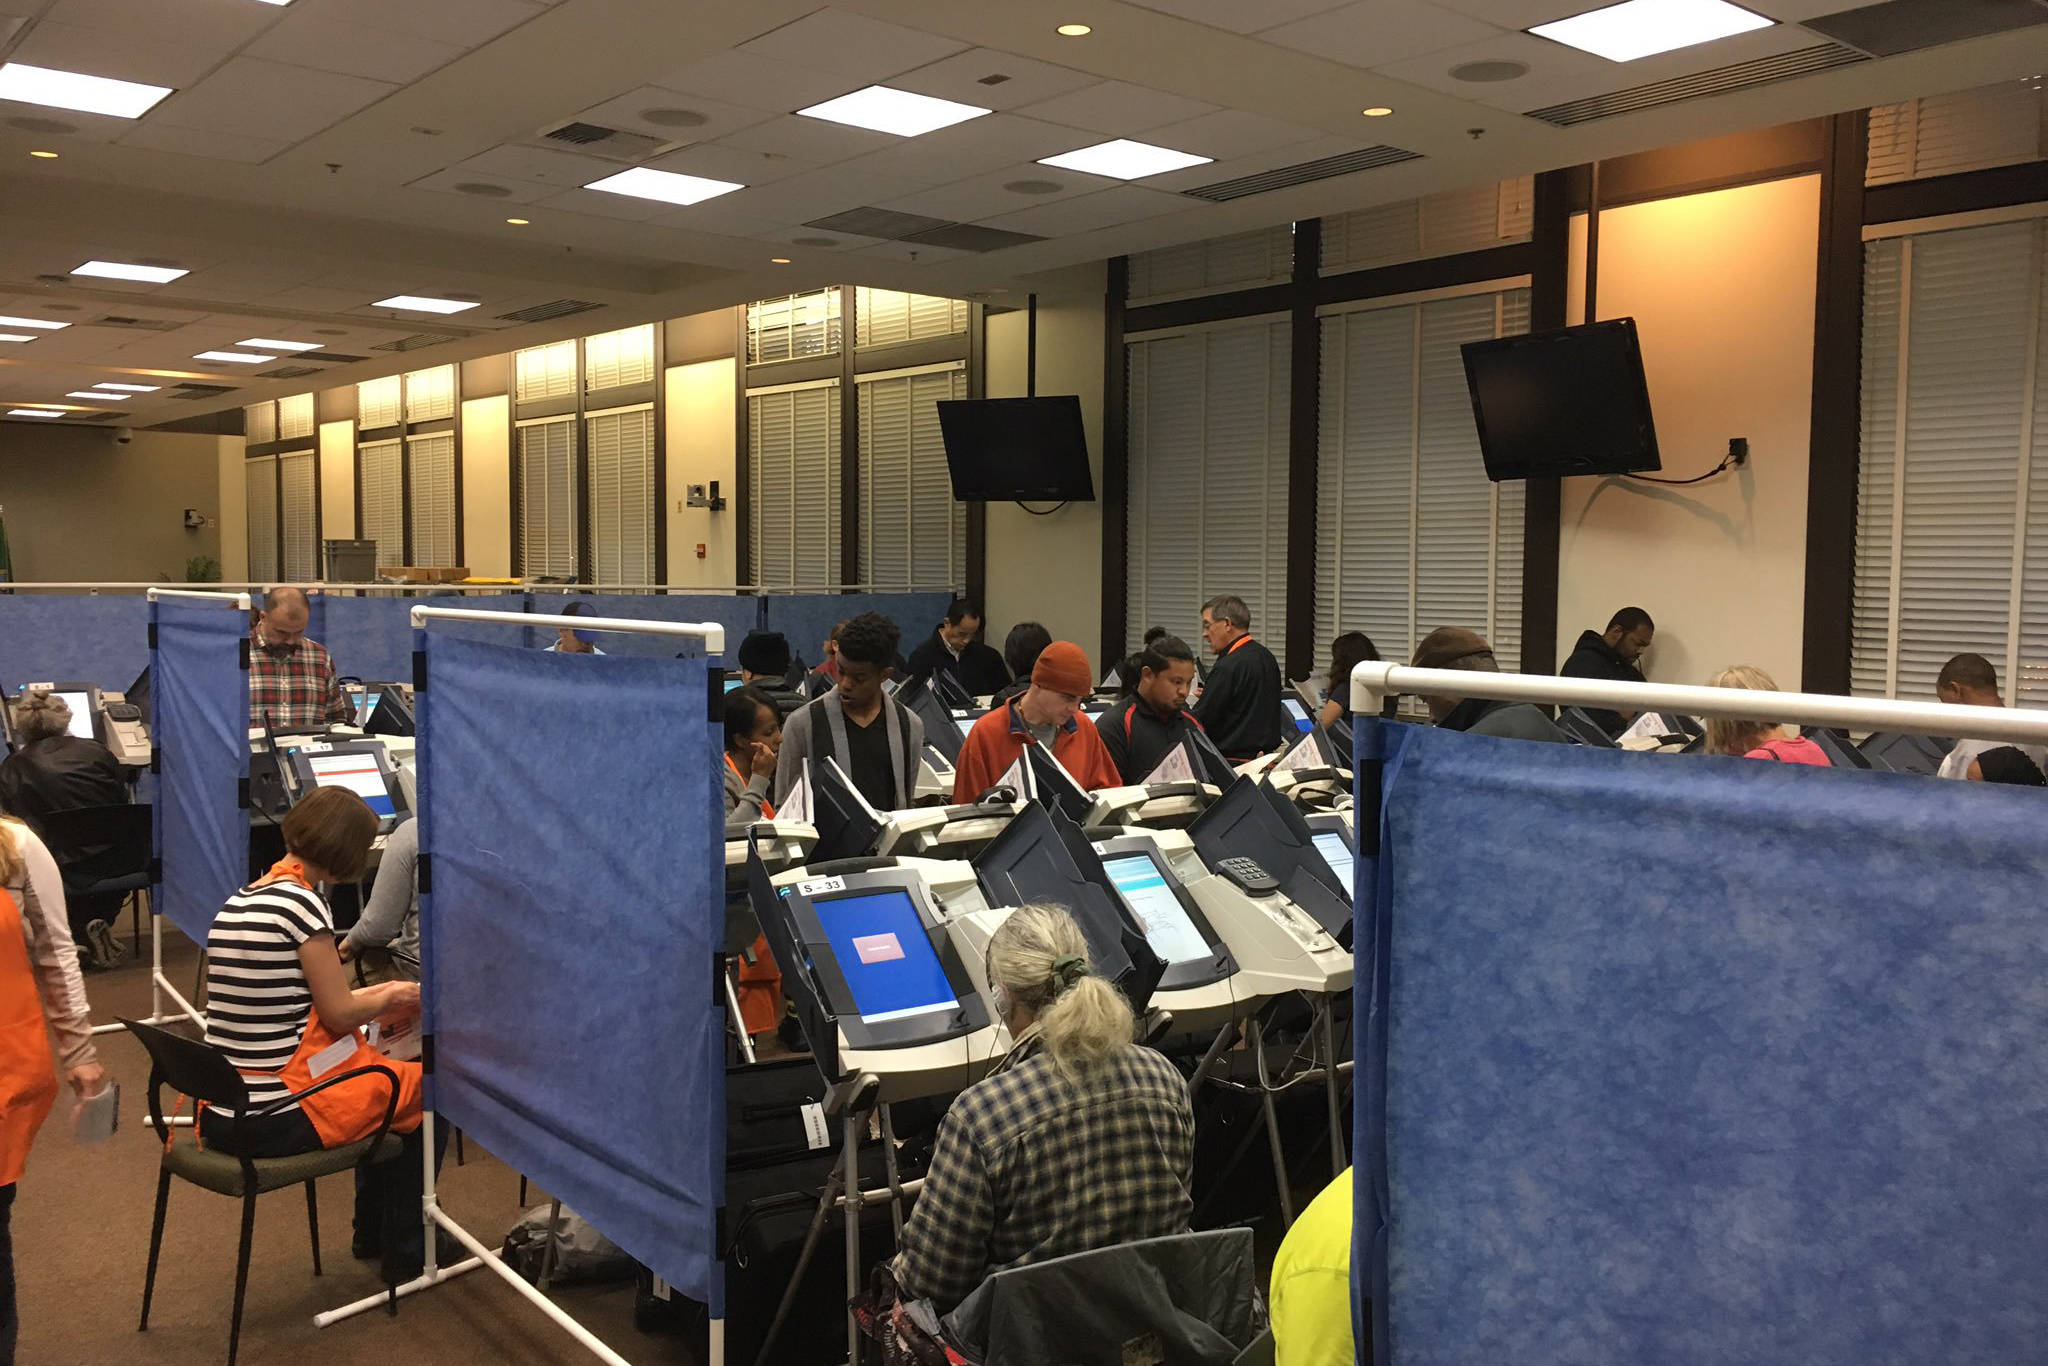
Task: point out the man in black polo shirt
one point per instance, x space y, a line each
1240 706
1143 729
954 649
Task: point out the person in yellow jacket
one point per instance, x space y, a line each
1311 1299
41 997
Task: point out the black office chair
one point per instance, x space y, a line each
124 838
201 1072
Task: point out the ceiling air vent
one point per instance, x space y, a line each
540 313
135 324
195 391
99 415
1366 159
1908 25
336 358
971 237
290 372
1741 76
412 343
872 222
595 139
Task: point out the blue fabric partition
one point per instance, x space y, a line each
572 899
102 639
1700 1061
737 615
808 618
199 681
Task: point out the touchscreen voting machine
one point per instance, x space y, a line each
361 766
1333 839
82 698
1252 822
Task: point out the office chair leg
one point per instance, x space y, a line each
156 1242
459 1158
135 921
313 1225
522 1191
242 1273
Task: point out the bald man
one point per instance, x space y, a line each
291 679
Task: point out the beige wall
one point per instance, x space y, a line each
1049 569
487 486
1722 288
337 482
702 446
79 506
234 511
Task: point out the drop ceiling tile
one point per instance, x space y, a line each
1231 168
911 253
203 23
714 216
46 122
813 239
818 140
1551 66
818 194
465 23
319 299
970 148
306 39
1086 213
984 196
516 191
718 162
1372 33
603 204
237 283
119 53
851 45
753 82
1520 14
288 102
1793 11
540 166
717 118
1230 133
1117 108
1239 16
959 77
213 146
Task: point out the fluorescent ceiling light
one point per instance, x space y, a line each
44 323
420 303
121 270
129 388
17 336
75 90
893 111
239 357
87 393
644 182
275 345
1124 160
1643 28
32 412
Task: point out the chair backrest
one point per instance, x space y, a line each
124 832
190 1068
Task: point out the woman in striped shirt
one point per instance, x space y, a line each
280 1008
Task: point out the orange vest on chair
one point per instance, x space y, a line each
28 1073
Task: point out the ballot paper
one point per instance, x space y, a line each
1174 768
797 805
1648 726
94 1118
1017 777
1303 757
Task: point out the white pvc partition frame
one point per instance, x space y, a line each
1373 681
713 636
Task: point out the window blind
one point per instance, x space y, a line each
1208 497
295 417
913 535
1244 260
794 326
430 395
259 478
381 515
1965 130
888 317
378 403
1436 225
614 359
1952 509
545 372
259 420
298 517
547 498
621 450
1410 533
793 447
432 480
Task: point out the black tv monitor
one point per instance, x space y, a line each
1572 401
1006 450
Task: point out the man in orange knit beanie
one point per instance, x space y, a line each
1047 714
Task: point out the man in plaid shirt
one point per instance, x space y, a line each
291 679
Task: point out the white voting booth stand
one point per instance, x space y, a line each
713 636
159 985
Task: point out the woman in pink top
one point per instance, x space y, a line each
1757 739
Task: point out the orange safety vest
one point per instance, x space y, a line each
28 1073
760 982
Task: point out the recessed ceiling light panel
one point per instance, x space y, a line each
1644 28
420 303
122 270
17 336
76 90
1124 159
128 388
668 187
32 412
43 323
87 393
273 344
893 111
238 357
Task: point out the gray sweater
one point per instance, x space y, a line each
392 915
743 801
819 730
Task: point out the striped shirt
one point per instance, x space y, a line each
257 1000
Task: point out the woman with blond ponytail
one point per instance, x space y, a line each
1082 1140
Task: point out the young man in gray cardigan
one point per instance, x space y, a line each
875 738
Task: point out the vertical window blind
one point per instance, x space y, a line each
260 497
259 422
431 462
1208 477
1410 533
430 394
794 327
547 498
1952 498
298 517
379 403
888 317
612 360
913 535
380 517
793 449
1244 260
295 417
542 372
1443 224
621 453
1963 130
